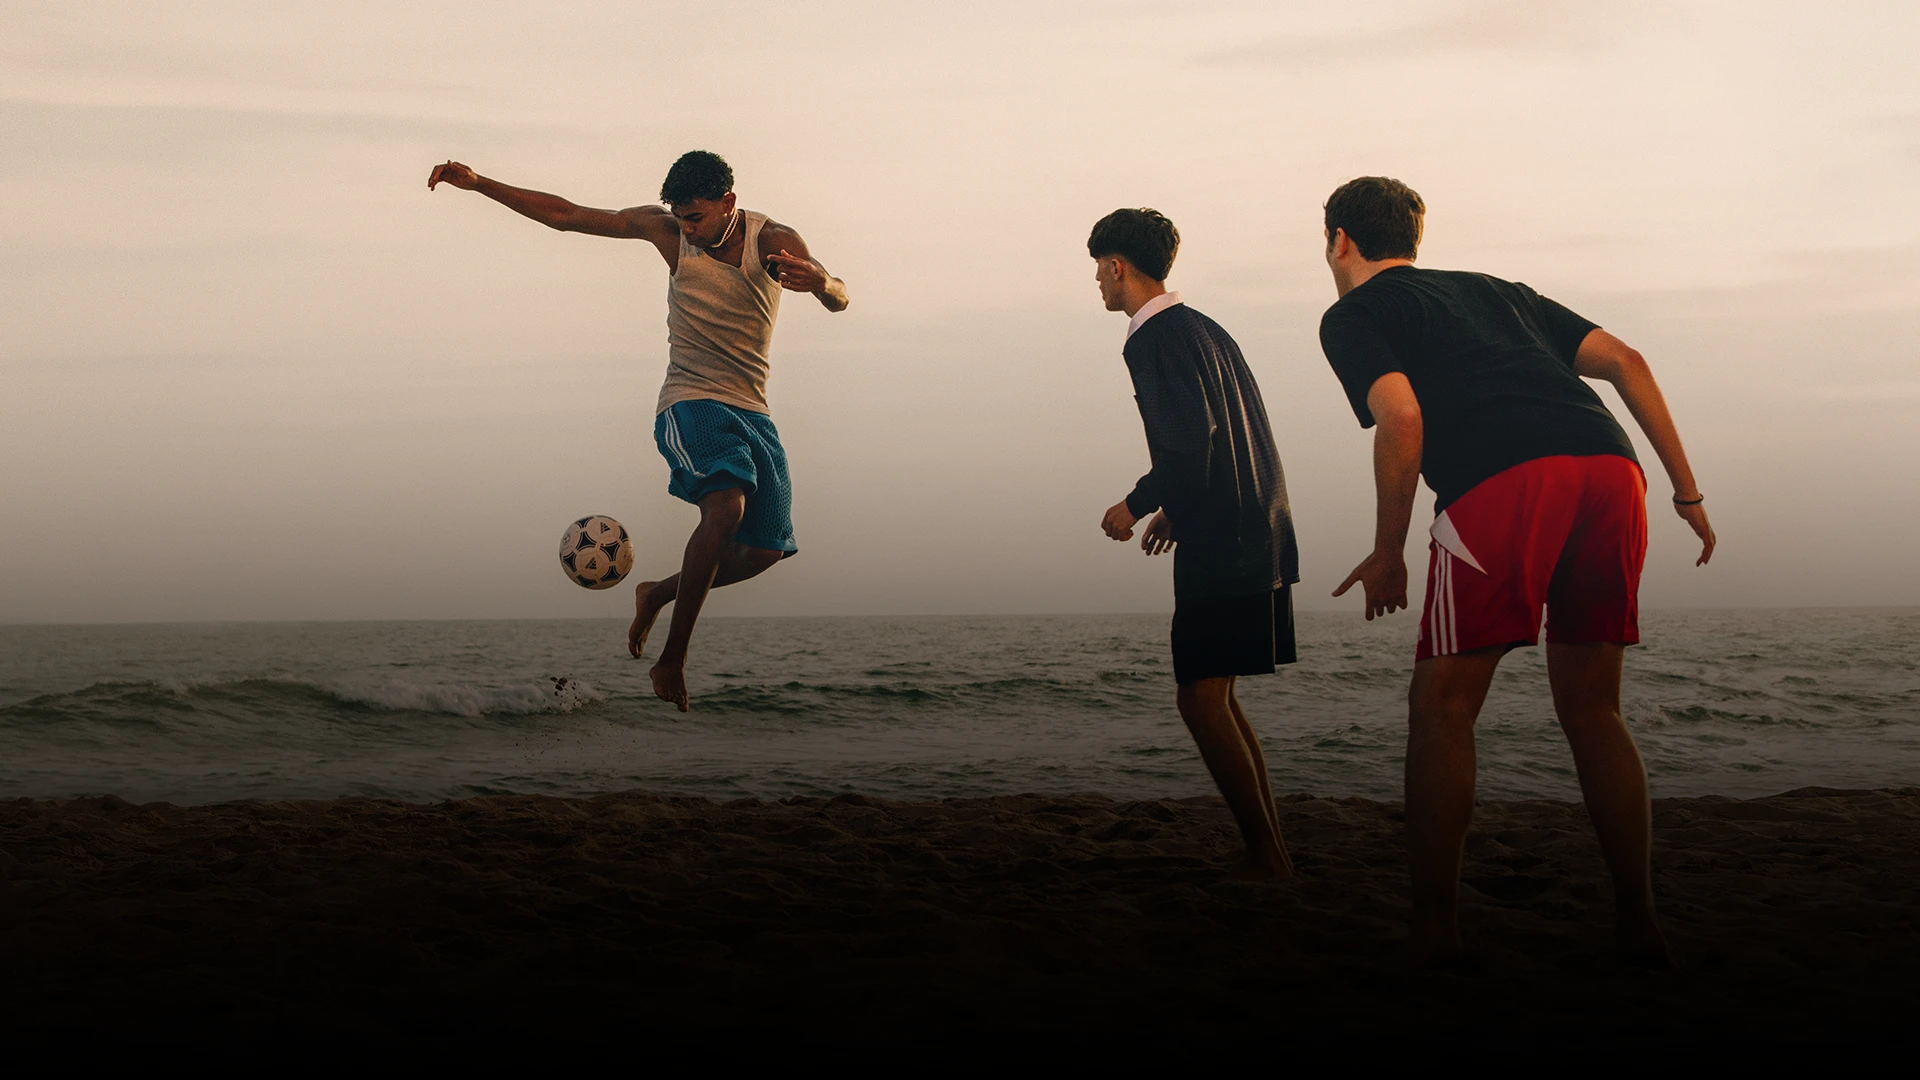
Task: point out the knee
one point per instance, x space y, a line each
723 509
1584 719
1201 696
1435 717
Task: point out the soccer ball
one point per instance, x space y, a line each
595 552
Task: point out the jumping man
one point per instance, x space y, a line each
1216 491
727 267
1476 384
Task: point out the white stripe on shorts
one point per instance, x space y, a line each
1453 607
678 445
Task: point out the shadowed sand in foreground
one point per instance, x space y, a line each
866 924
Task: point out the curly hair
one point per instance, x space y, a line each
1382 216
1143 237
699 174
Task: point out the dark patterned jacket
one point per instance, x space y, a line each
1216 471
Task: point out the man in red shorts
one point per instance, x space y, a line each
1476 384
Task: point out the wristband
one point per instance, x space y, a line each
1695 501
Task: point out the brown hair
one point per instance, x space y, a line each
1382 216
1143 237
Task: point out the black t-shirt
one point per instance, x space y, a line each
1216 470
1491 362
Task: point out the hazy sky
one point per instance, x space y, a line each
251 368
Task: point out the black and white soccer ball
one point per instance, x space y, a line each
595 552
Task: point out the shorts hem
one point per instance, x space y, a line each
1505 643
786 547
1187 678
720 481
1595 639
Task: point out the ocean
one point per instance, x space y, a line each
1739 703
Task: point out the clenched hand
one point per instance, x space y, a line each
1118 521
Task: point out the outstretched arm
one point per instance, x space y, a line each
788 260
1397 445
1605 357
651 223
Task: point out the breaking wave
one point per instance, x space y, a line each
153 703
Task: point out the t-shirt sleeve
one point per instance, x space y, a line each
1564 328
1359 353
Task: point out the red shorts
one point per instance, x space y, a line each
1565 533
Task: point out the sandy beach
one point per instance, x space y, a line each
854 926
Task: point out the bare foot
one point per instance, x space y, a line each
644 613
670 682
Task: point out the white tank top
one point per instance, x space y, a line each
720 326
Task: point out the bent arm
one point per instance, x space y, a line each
787 258
1605 357
1398 442
1173 408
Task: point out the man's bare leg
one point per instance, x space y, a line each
1239 772
1586 695
738 562
1443 703
1259 758
720 513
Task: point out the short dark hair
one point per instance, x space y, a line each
699 174
1143 237
1382 216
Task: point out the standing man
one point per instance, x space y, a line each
1216 491
727 267
1476 384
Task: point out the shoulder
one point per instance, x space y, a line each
1517 293
1354 309
1386 295
1168 328
1474 283
774 236
1200 329
650 222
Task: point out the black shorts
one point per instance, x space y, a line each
1218 636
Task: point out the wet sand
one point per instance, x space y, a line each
857 928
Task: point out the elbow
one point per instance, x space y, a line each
1622 366
1632 366
1400 435
1399 422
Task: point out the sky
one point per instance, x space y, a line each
250 368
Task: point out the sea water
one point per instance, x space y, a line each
1738 703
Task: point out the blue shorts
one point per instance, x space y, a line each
712 447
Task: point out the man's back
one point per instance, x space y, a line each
1491 362
1216 470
